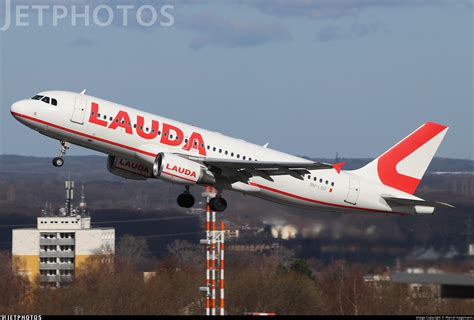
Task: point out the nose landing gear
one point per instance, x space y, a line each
59 161
186 199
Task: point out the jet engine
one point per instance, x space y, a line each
176 169
128 169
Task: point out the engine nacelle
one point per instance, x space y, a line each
176 169
128 169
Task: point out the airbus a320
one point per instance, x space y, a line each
142 145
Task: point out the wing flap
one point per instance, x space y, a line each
264 169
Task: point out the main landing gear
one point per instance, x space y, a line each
218 203
59 161
186 199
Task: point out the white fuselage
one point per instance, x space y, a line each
114 130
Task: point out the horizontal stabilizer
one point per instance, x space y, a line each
414 202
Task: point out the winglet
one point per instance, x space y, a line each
338 166
83 91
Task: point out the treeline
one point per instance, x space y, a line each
254 283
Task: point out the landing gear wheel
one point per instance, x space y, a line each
58 162
218 204
185 200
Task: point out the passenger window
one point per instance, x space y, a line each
332 184
54 102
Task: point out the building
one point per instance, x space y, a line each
52 252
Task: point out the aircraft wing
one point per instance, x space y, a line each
414 202
242 170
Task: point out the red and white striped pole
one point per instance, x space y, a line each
208 256
213 268
222 269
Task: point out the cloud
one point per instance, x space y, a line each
212 30
356 30
320 9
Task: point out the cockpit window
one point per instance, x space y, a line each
45 99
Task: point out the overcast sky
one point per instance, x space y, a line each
309 77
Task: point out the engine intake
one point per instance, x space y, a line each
176 169
128 169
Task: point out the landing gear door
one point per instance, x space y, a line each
79 111
353 193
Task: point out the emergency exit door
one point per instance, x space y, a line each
79 111
354 189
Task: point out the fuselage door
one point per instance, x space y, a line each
79 111
353 193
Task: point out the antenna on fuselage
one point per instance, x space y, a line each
83 91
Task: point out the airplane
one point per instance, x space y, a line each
144 146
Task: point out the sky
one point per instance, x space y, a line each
311 77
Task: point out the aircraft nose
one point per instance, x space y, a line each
16 109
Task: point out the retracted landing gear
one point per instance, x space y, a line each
218 203
59 161
186 199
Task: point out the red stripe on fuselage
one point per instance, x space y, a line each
154 155
291 195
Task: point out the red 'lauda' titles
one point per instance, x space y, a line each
122 120
133 165
94 117
165 136
153 132
181 170
195 142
